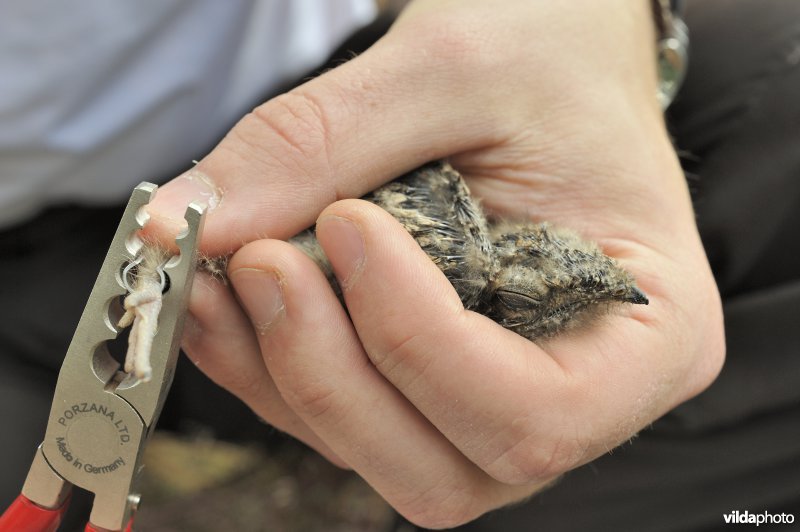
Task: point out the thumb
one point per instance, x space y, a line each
337 136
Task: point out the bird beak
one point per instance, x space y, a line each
636 297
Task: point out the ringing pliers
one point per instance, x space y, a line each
101 417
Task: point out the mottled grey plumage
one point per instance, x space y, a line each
533 279
434 205
550 280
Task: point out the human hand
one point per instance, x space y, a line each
550 112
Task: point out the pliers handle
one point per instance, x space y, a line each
26 516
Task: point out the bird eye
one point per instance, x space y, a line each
516 300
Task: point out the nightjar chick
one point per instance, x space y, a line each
434 205
550 280
534 279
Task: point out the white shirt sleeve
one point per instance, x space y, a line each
99 95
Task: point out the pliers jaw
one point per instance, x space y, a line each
101 418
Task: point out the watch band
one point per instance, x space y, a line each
672 48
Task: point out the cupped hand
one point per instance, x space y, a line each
549 110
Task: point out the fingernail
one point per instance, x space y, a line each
345 249
174 197
260 293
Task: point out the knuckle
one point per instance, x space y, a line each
247 385
399 350
316 401
294 126
531 460
406 353
297 119
405 357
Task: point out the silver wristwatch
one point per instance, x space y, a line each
672 48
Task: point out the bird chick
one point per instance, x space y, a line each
550 280
533 279
433 203
434 206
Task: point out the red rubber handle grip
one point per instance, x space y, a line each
90 527
26 516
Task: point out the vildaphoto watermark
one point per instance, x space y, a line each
761 518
